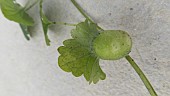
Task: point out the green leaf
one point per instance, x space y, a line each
45 24
77 55
15 12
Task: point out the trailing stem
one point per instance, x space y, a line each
85 15
28 7
129 59
141 75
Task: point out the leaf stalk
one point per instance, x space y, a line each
63 23
141 75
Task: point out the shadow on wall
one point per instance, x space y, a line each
142 17
136 19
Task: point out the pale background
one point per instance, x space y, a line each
29 68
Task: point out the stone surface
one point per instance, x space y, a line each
30 68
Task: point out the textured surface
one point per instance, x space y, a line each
31 69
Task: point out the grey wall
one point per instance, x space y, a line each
31 69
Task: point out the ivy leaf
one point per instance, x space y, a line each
77 55
45 24
15 12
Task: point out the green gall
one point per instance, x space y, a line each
112 44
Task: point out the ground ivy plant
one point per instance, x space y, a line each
90 43
80 54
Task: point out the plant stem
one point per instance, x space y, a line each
63 23
82 12
142 76
27 6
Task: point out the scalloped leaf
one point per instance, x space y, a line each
77 55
